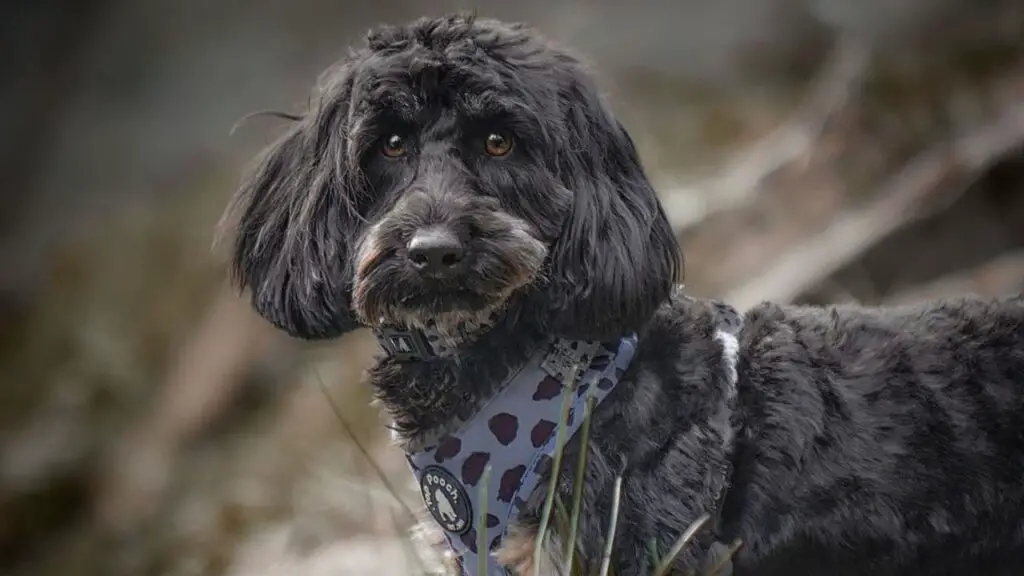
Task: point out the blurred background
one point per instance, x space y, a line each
806 150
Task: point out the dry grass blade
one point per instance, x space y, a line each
556 466
562 515
408 546
577 488
376 469
613 522
362 449
726 557
673 553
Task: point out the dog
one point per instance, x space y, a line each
459 186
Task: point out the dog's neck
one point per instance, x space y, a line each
426 339
438 386
507 421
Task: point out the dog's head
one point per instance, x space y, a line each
443 171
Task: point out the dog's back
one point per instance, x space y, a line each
893 438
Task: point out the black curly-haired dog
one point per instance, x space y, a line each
462 177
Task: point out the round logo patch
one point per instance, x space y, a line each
446 499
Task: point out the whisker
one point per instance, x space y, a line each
261 113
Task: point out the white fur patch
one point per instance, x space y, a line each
730 356
730 359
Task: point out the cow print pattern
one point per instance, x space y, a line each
505 427
514 435
449 448
473 467
541 432
548 388
469 540
510 483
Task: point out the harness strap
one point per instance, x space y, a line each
478 478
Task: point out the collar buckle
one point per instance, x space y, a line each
404 345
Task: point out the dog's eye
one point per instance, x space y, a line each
394 146
498 143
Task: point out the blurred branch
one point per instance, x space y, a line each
945 169
200 385
742 179
1001 275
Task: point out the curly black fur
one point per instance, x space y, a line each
573 182
860 441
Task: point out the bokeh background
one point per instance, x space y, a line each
150 424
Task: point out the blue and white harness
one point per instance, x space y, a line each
479 477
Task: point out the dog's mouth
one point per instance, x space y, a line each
435 301
396 285
391 294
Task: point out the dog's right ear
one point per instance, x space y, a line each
292 223
617 258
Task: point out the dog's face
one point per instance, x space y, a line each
448 168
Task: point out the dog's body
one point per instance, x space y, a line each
868 441
461 176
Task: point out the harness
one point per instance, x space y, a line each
477 479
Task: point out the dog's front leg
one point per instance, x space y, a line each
656 507
630 555
655 524
519 551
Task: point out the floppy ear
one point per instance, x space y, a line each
617 258
293 220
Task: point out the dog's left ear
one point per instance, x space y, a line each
617 258
292 222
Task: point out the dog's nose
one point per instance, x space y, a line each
435 250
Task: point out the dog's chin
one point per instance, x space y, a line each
456 300
457 305
445 309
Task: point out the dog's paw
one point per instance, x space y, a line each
517 554
426 536
719 560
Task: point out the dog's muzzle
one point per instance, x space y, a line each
432 260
